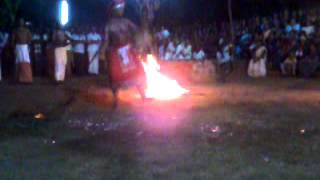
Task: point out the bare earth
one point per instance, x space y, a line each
244 129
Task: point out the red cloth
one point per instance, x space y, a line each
121 72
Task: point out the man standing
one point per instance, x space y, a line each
94 40
60 42
124 67
22 37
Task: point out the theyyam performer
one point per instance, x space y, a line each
124 68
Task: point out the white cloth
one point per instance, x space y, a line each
199 55
258 68
308 30
170 51
61 60
22 53
179 52
92 53
79 47
187 52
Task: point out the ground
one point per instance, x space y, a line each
243 129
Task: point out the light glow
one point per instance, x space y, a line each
64 12
159 86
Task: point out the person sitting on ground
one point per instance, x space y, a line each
257 66
187 51
171 49
288 67
309 65
199 55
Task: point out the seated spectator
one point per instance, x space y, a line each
179 51
199 55
309 65
257 66
288 67
187 51
171 49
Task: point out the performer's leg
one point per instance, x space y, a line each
141 91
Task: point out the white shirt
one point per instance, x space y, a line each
79 47
94 37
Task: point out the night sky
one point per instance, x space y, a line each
182 11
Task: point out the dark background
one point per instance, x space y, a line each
172 11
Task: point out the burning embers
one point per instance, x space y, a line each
159 86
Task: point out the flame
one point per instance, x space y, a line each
159 86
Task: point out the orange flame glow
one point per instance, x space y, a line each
159 86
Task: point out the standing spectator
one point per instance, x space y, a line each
22 38
61 47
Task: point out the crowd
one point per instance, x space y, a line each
287 42
28 51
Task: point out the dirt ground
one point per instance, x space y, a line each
243 129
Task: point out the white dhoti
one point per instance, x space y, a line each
61 59
23 63
93 59
257 69
22 53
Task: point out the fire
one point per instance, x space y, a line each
159 86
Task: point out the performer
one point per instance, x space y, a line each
123 65
22 38
61 47
94 40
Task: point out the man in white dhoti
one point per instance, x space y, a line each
60 54
257 66
3 41
94 40
22 37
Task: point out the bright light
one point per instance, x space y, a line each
159 86
64 12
